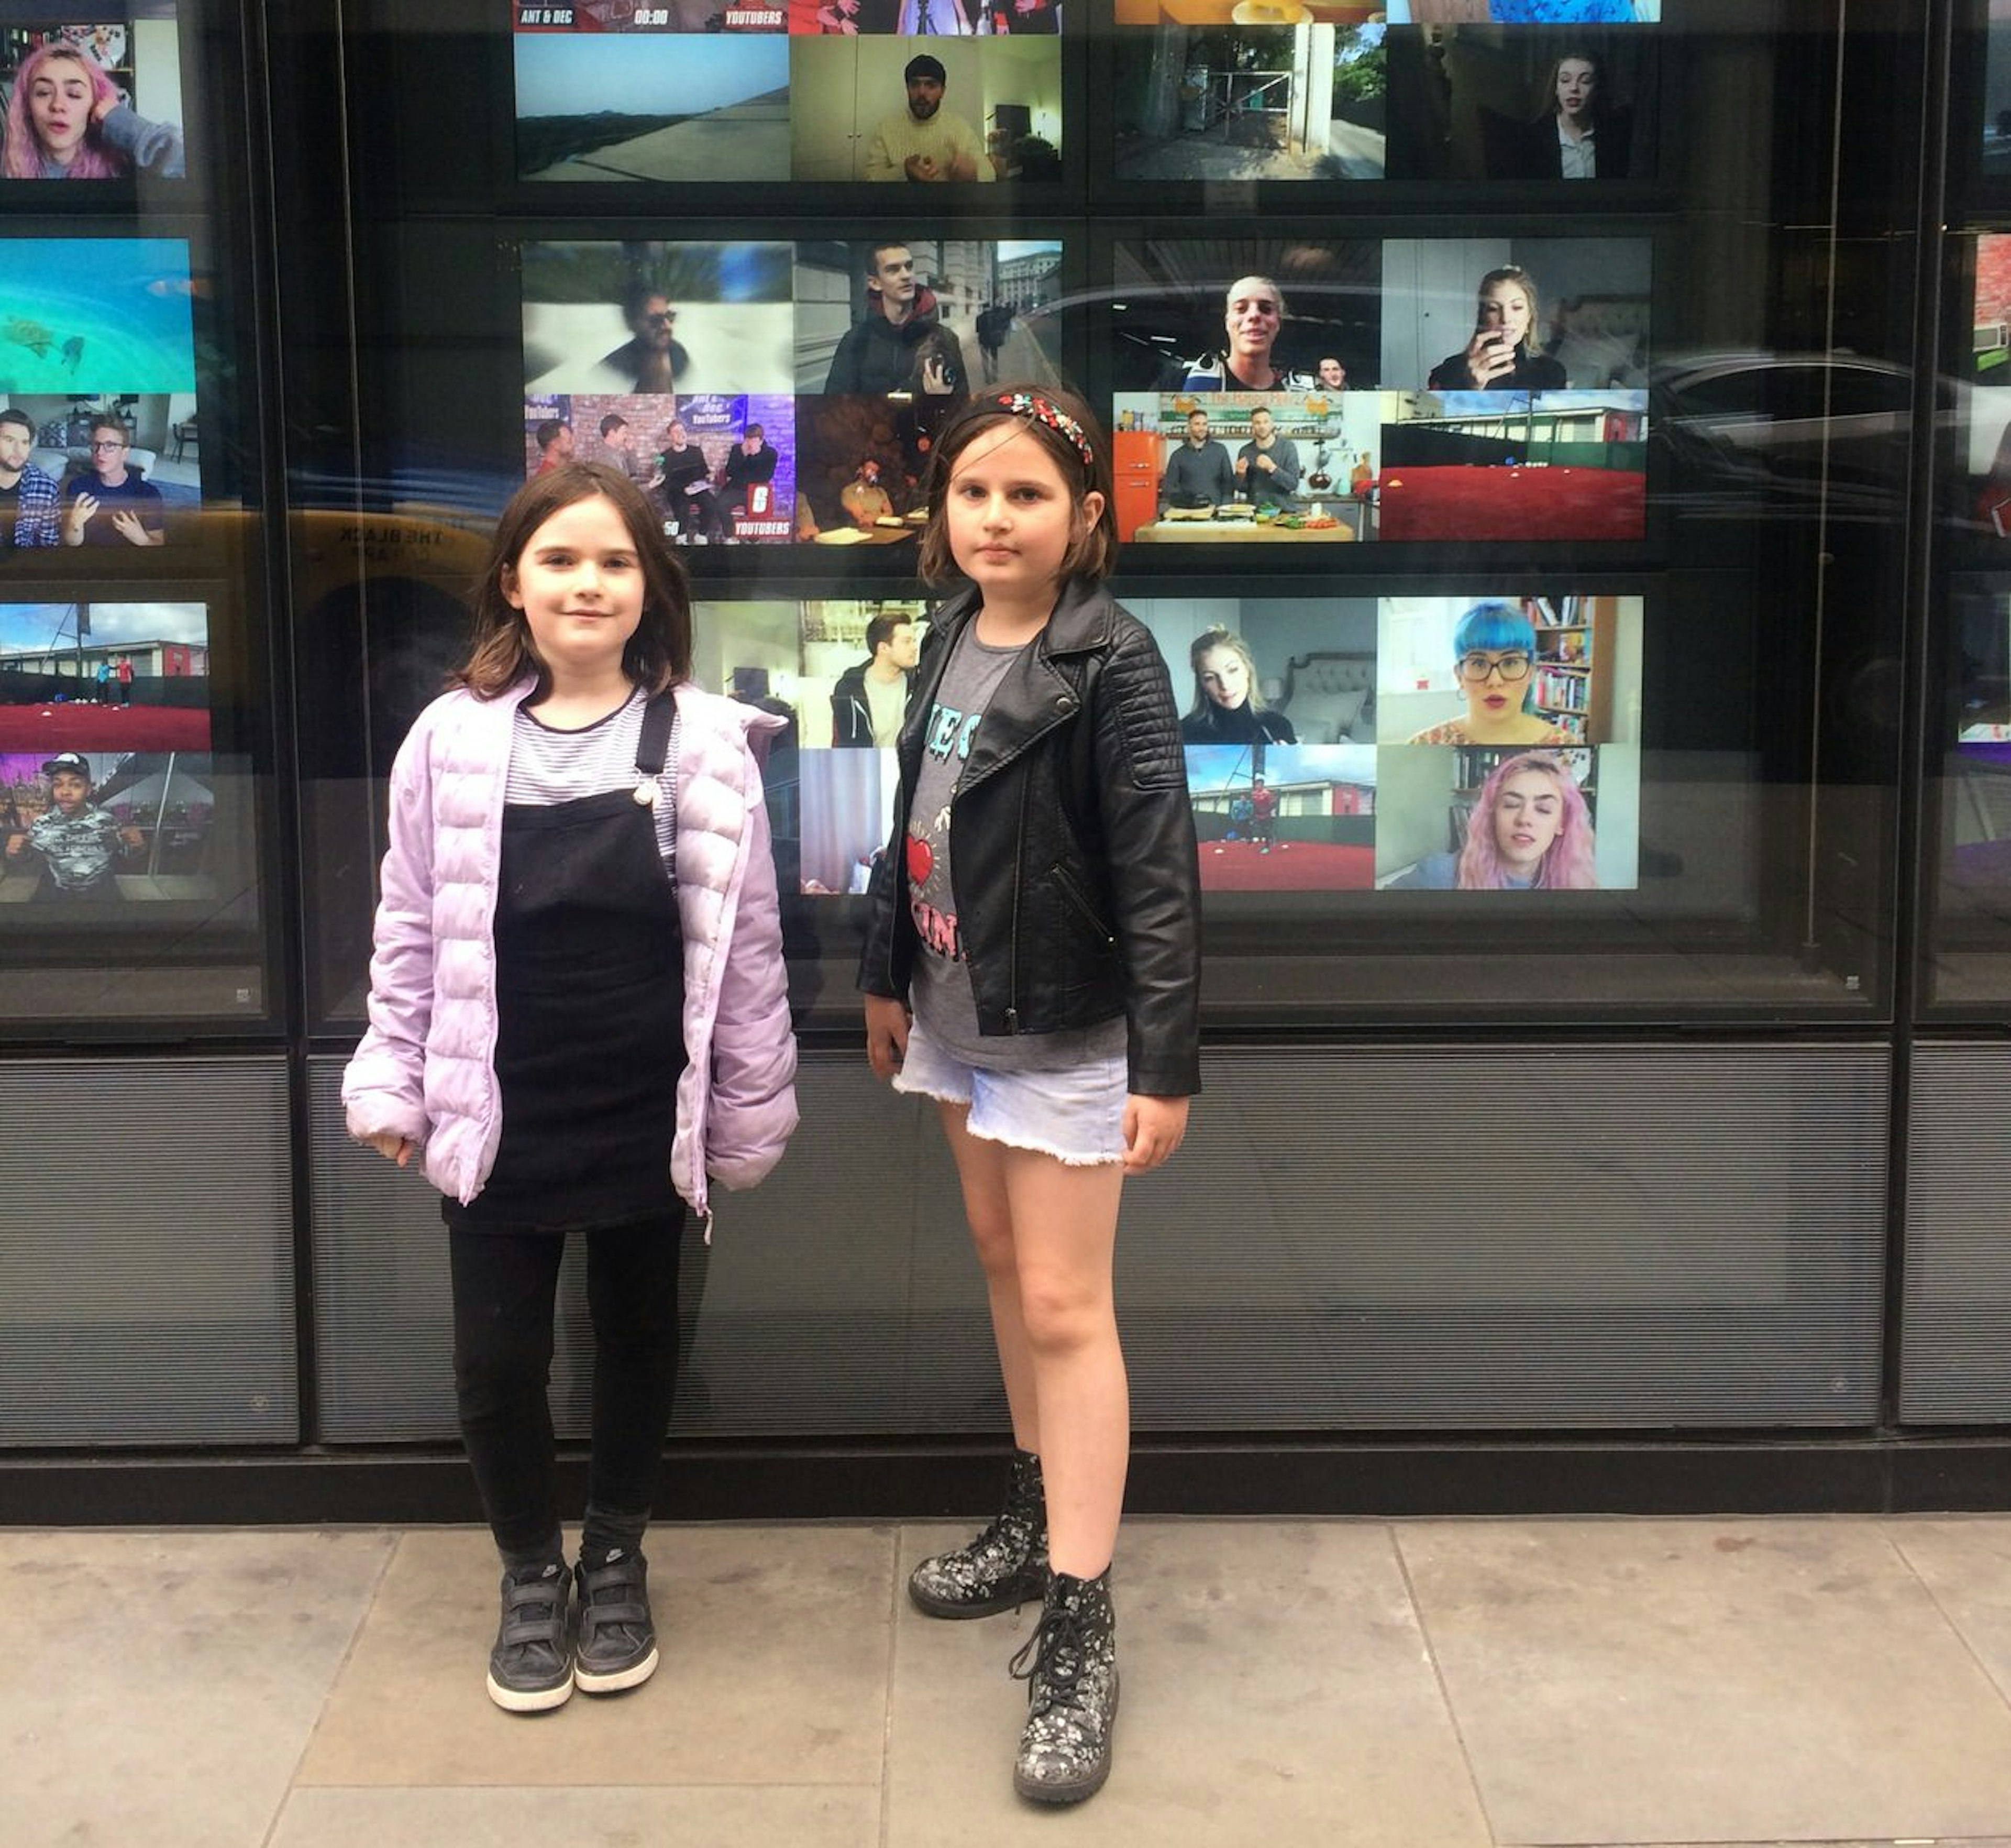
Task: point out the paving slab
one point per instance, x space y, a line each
1662 1682
1276 1690
730 1816
1965 1564
161 1687
775 1644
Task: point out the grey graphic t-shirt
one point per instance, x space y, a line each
940 990
79 848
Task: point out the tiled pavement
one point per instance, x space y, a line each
1425 1684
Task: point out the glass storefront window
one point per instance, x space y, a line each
135 741
1391 388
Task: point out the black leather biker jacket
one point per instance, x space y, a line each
1084 901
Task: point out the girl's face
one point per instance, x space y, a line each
1577 82
1503 306
59 106
1224 677
1011 516
1529 816
579 584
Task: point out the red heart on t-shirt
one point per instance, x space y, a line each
921 862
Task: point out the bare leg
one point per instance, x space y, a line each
980 1167
1063 1227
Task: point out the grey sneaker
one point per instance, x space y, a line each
616 1646
530 1668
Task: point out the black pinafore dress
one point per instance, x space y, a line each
589 985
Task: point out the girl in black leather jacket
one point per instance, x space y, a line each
1053 985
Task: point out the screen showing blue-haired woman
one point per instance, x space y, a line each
1494 654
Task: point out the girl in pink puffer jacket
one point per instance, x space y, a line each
578 1012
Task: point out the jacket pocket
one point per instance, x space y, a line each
1079 902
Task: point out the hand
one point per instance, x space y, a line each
81 510
1489 355
935 375
393 1148
1265 463
1154 1127
129 526
920 166
1242 465
886 1022
15 843
104 107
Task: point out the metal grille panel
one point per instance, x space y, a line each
1956 1364
147 1276
1518 1238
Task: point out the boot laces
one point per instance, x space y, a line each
1050 1662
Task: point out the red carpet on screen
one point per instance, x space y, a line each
1291 866
76 726
1465 501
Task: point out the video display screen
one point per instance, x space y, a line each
653 107
1272 391
947 18
1479 701
92 93
1997 93
1526 12
98 392
767 393
1267 423
592 18
1471 102
1975 792
1988 422
964 92
107 786
1462 743
906 110
1245 90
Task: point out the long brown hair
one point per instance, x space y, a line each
658 655
1092 554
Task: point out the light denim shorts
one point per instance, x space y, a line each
1075 1115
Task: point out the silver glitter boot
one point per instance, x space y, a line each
1004 1567
1069 1666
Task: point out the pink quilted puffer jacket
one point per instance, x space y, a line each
424 1069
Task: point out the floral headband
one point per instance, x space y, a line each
1036 409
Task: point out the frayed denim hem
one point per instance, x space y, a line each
989 1132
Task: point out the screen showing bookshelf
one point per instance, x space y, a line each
1332 745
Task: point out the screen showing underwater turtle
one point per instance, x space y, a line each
97 388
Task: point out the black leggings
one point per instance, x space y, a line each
505 1288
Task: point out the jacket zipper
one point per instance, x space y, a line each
1018 873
